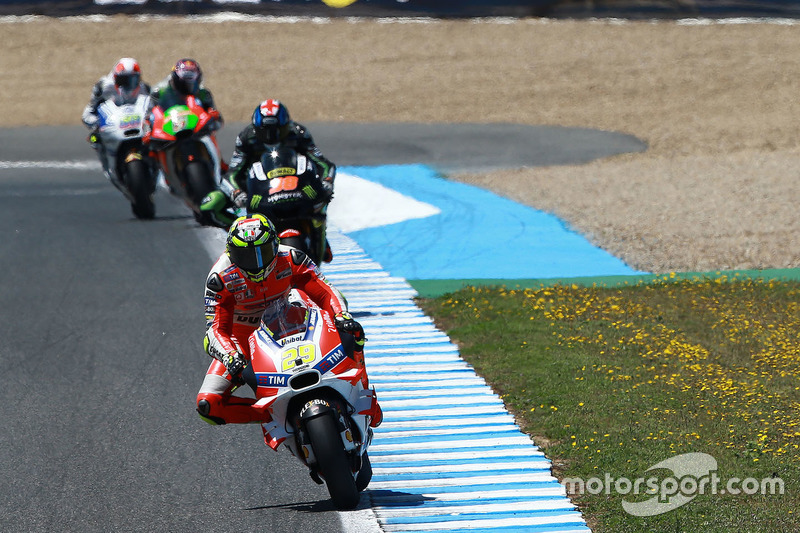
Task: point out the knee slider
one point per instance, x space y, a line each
204 410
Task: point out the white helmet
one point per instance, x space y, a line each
127 76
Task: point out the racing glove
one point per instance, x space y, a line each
345 322
94 137
234 363
239 198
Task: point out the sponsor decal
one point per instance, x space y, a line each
280 172
283 273
328 322
230 274
236 286
284 197
331 360
272 380
130 121
291 339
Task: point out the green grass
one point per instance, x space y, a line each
611 381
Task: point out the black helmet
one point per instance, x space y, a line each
271 121
252 245
186 76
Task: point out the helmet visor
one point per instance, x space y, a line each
127 82
253 258
189 81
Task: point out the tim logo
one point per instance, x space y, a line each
271 380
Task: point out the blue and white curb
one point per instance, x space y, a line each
448 457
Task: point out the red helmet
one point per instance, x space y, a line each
186 76
127 76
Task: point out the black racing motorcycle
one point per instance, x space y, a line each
285 186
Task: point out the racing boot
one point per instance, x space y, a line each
376 413
217 205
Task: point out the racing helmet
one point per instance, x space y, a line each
186 76
271 121
252 245
127 76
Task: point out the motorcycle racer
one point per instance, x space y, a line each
123 83
186 79
270 125
253 274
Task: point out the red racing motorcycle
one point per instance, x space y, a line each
187 152
316 394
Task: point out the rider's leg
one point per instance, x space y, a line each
217 405
219 207
357 343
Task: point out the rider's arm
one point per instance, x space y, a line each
235 179
307 277
207 101
306 145
220 304
89 116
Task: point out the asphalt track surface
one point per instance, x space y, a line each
101 328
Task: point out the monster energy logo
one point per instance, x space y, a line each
255 201
310 192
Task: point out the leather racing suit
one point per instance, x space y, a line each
234 306
104 90
165 96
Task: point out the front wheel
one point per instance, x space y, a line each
365 474
142 186
332 461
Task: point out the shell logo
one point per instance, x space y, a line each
338 3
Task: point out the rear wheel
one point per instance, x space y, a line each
200 182
142 186
333 462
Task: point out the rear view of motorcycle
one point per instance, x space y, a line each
316 395
285 187
118 140
187 153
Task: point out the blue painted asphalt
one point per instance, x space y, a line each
477 235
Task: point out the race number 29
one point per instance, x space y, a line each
296 356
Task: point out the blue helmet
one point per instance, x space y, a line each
271 121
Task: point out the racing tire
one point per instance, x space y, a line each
142 186
199 182
332 461
365 474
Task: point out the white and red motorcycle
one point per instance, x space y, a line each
118 142
316 394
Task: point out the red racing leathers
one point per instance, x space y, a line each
234 306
